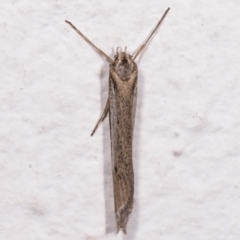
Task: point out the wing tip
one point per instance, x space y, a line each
122 217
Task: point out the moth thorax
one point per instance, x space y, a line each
123 64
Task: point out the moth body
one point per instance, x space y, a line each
121 106
122 101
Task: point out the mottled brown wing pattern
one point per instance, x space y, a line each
122 95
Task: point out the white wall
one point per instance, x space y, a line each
55 180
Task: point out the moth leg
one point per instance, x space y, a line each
104 114
148 39
89 42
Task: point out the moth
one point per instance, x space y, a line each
121 106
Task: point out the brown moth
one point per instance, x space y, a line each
121 106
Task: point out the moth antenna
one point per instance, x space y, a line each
89 42
148 39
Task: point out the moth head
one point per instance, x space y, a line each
123 64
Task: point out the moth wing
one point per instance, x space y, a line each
122 113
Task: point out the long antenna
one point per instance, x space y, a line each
154 30
88 41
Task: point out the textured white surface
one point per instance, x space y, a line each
55 180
